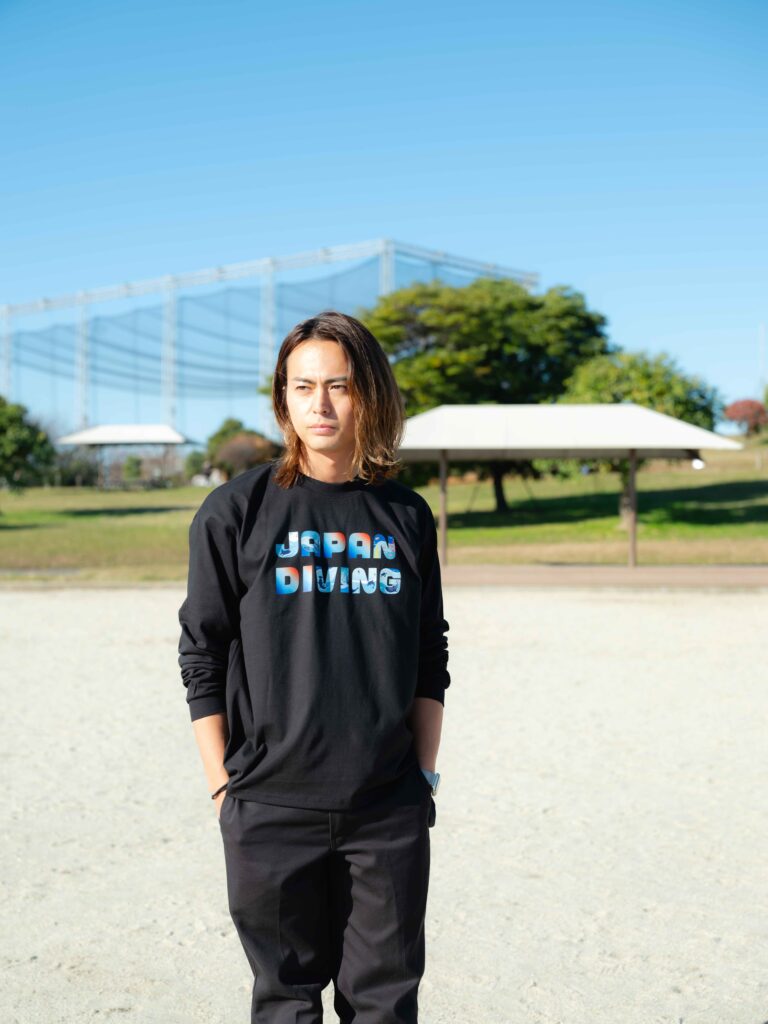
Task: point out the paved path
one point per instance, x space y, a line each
599 852
695 577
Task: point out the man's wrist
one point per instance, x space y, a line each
433 778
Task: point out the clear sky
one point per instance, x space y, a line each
620 148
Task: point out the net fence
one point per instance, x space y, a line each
194 352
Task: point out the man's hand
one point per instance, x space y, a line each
219 800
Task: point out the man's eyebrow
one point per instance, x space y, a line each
328 380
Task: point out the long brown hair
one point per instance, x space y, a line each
378 408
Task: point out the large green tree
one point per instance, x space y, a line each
26 451
490 341
656 382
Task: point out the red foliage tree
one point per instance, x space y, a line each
244 451
749 412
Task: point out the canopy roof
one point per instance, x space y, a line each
125 433
469 432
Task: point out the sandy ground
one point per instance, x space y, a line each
600 848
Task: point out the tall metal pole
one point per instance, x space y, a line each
387 268
762 394
267 326
82 366
7 353
632 507
443 508
169 354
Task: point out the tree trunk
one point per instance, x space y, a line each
498 470
625 498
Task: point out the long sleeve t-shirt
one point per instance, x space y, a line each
313 618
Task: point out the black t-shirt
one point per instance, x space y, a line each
313 617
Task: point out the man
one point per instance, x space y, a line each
314 654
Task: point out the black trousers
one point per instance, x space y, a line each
321 896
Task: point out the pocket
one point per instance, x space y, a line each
432 811
224 803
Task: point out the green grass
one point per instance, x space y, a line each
133 535
719 514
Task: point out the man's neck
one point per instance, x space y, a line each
328 472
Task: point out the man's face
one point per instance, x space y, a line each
318 394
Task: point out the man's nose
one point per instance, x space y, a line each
321 402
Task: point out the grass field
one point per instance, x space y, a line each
715 515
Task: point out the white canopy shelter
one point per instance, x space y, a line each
113 434
125 433
467 433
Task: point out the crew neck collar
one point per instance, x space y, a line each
311 483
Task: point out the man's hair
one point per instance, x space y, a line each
377 405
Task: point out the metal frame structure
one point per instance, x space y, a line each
266 268
479 433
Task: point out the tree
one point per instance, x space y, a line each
233 448
74 467
132 468
655 382
26 451
229 428
490 341
193 464
748 412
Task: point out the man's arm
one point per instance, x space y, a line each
210 620
426 715
433 676
212 734
210 614
426 722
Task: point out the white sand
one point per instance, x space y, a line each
601 842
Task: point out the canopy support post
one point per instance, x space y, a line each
101 478
632 495
443 508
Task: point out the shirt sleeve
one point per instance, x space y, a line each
433 676
209 616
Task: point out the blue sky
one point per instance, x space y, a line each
619 148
